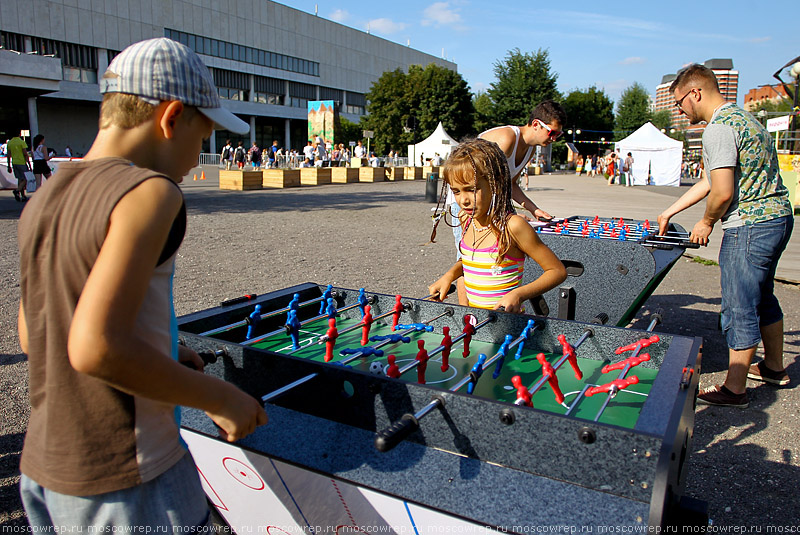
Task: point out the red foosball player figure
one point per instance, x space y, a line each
393 370
523 394
550 374
422 357
569 352
630 361
366 323
330 341
447 343
640 344
596 220
613 387
469 330
396 311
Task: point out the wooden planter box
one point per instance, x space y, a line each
281 178
371 174
240 180
413 173
343 175
315 176
427 171
395 173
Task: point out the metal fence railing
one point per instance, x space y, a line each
293 161
207 158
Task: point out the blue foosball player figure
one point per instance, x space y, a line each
252 322
327 294
294 304
503 350
362 302
476 373
293 328
330 310
526 332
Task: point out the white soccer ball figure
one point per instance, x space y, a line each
376 367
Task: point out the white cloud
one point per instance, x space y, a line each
441 14
633 60
340 15
759 40
385 26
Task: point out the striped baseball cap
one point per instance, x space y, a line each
163 69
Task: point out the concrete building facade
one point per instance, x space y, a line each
268 60
728 80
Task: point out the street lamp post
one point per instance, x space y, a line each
795 72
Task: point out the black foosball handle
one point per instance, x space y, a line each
397 432
600 319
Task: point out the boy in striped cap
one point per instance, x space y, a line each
97 249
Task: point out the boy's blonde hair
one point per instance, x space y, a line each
124 111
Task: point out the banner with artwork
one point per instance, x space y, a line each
321 115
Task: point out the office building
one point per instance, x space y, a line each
268 61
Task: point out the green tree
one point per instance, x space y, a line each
590 111
347 131
406 108
662 119
633 110
482 104
523 81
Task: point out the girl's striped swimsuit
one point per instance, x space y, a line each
486 282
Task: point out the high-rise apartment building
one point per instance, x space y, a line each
728 80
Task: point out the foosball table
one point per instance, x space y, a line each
613 265
398 414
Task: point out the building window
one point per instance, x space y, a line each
245 54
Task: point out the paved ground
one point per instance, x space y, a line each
745 463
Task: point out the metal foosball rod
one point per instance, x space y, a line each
397 432
411 365
284 389
656 319
263 337
588 332
246 321
447 312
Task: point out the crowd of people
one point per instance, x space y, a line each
101 338
316 153
612 166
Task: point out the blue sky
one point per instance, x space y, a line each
607 44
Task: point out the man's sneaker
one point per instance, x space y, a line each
760 372
720 395
16 196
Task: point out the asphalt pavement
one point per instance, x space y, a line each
745 463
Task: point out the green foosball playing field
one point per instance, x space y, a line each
623 409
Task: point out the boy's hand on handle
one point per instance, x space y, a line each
239 413
189 357
701 232
663 224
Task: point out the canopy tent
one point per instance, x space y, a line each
438 142
654 154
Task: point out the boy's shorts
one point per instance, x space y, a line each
175 498
748 258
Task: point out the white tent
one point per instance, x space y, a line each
438 142
654 152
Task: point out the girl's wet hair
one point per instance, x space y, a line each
471 159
